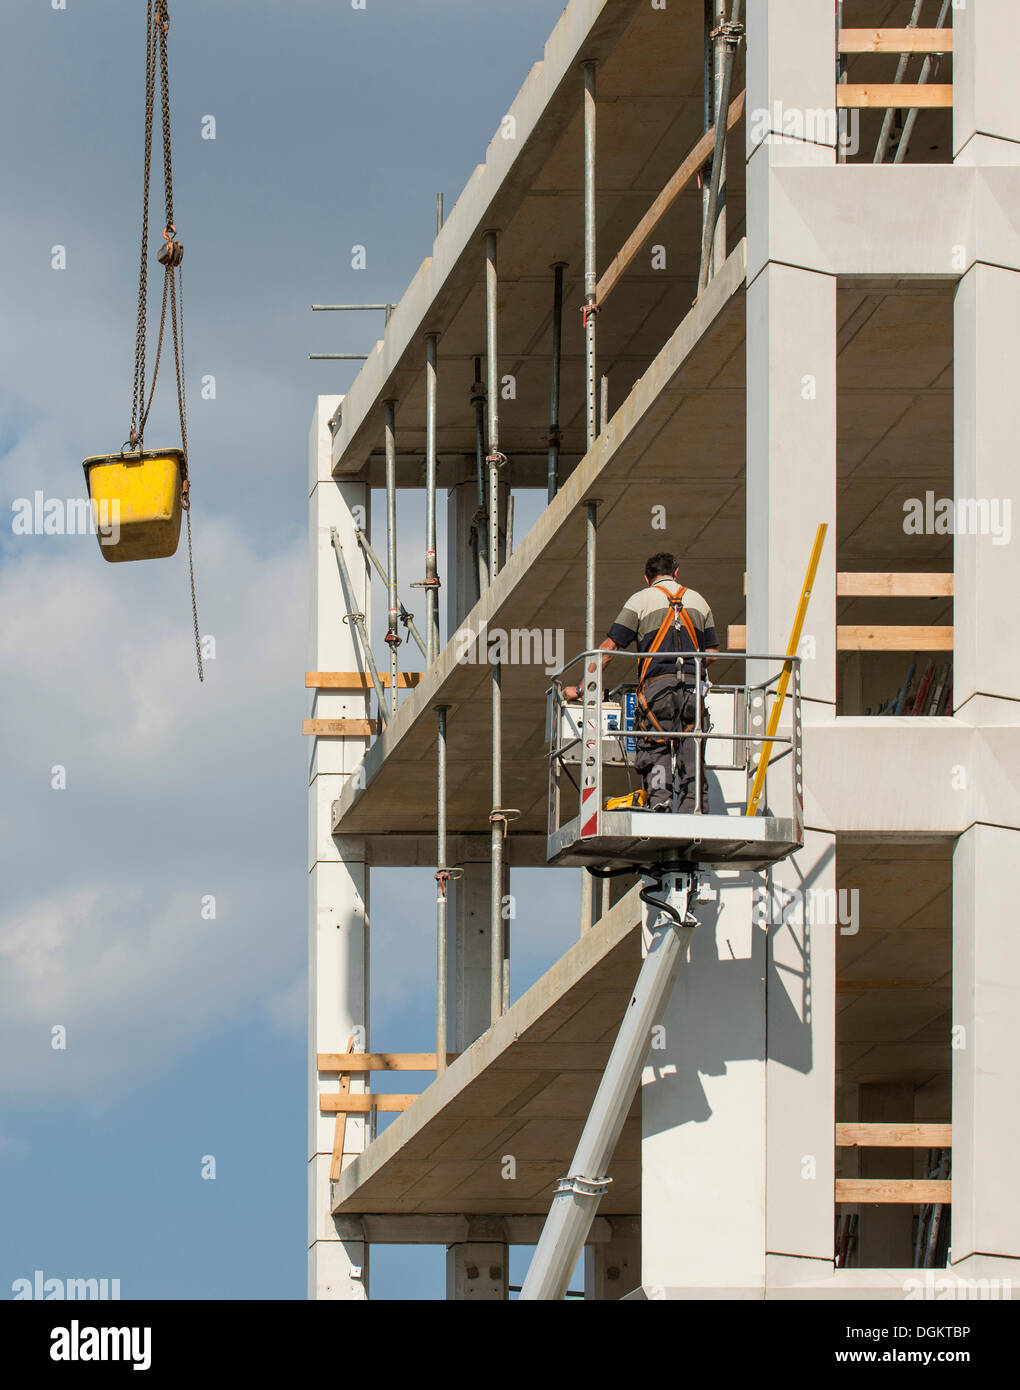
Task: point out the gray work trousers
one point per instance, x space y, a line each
674 706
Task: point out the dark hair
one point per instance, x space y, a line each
662 564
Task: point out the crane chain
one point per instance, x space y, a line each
157 26
138 396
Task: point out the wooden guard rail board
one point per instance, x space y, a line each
340 728
379 1061
864 1135
867 637
895 1191
900 95
904 96
895 40
358 680
342 1103
907 1191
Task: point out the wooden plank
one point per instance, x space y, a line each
339 728
857 637
851 584
885 1136
908 1191
362 1105
863 638
340 1127
905 96
865 986
895 40
358 680
687 171
379 1061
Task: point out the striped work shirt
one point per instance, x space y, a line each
642 616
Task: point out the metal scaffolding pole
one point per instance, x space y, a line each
841 76
591 531
555 438
350 308
709 118
497 821
480 523
431 585
497 828
405 617
885 137
929 71
719 78
494 458
590 278
713 241
442 879
392 612
575 1204
358 619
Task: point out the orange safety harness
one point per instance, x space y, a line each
676 615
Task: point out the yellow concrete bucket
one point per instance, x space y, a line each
136 503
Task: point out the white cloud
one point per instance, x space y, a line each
174 791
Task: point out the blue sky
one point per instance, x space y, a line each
186 1036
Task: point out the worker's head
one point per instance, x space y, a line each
661 566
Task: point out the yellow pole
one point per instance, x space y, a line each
784 679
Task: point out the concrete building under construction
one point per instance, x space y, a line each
729 273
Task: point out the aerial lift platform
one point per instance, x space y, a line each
669 850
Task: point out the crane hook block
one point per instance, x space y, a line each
136 502
171 253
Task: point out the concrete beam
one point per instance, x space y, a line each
465 1088
388 1228
924 777
911 221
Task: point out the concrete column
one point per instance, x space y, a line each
477 1270
791 468
460 580
749 1030
703 1108
800 1055
986 117
469 916
612 1268
791 81
791 341
986 678
986 1044
338 874
986 663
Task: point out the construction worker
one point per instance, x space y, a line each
665 617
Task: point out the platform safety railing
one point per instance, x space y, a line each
752 701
